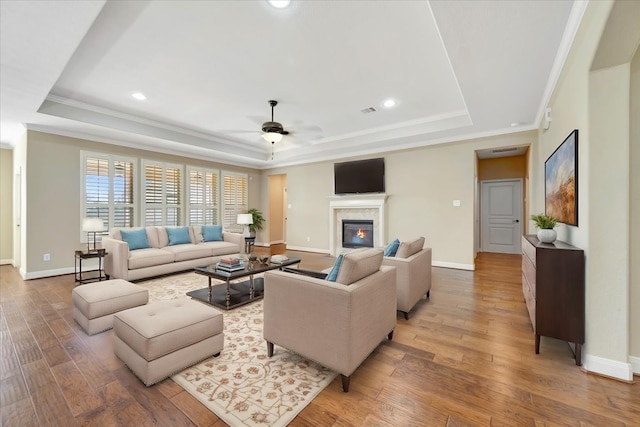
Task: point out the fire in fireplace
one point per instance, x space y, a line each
357 233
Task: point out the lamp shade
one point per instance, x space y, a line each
245 219
92 224
272 137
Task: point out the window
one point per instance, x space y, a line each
204 196
108 190
235 197
162 194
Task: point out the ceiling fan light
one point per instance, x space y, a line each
272 137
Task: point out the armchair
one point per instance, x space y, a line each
336 324
413 273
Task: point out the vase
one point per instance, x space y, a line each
547 235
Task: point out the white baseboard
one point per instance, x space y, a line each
46 273
6 261
453 265
635 364
608 367
306 249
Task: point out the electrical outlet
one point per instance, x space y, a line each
46 257
308 239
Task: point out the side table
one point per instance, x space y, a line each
249 242
78 273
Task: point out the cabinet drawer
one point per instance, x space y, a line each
528 251
529 273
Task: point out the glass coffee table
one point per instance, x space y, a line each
233 293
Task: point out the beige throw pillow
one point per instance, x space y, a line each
359 264
410 247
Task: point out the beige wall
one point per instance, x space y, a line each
421 184
277 185
53 209
597 103
634 209
6 206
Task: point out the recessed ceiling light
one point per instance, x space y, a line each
279 4
139 96
389 103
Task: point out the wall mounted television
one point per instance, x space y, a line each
360 176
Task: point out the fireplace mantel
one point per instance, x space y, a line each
372 206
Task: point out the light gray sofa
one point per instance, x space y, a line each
413 269
162 258
337 324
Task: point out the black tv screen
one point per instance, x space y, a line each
361 176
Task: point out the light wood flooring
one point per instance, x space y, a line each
464 358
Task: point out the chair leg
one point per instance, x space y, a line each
345 383
428 294
390 335
217 354
406 315
269 349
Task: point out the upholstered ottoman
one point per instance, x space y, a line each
95 303
162 338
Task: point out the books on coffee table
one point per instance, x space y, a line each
230 264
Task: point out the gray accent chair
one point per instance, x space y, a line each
336 324
413 270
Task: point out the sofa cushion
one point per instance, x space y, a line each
211 233
220 248
178 235
357 265
189 251
332 275
392 248
136 239
149 258
410 247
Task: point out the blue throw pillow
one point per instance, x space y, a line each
178 235
333 274
137 239
211 233
392 248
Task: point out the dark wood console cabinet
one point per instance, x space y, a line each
553 288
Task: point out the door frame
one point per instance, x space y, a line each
481 212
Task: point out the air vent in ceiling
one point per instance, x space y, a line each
504 150
368 110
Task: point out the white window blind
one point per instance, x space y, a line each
204 196
162 194
108 187
235 197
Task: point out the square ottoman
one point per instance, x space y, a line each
94 304
164 337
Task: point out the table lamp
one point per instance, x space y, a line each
245 219
92 225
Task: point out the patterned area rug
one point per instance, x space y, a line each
243 386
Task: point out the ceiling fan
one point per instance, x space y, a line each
273 131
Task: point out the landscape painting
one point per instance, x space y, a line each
561 181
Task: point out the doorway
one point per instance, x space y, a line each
501 215
277 212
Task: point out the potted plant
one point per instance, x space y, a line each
258 220
545 224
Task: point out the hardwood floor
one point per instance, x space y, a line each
464 358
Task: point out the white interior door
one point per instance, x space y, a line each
501 216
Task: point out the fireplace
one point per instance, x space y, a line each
357 233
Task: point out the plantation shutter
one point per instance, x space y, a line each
108 190
203 197
162 194
235 197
